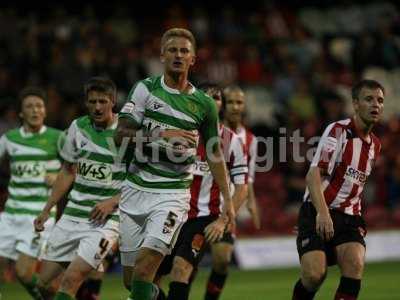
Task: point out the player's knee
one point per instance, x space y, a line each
354 268
181 270
72 280
314 277
23 274
221 262
144 270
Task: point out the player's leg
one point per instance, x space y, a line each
350 258
185 256
3 267
73 277
25 270
221 257
312 252
9 234
93 248
146 264
49 272
313 273
90 288
132 235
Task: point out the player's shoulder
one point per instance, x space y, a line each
53 131
81 122
150 83
336 128
202 96
13 133
249 133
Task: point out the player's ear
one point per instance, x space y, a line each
162 57
193 60
355 104
21 115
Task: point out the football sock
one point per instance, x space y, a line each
348 289
215 285
178 290
63 296
143 290
89 290
32 287
301 293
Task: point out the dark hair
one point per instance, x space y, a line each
365 83
31 91
205 86
102 85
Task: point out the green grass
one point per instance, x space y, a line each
381 282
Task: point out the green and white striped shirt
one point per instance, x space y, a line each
152 104
100 172
32 156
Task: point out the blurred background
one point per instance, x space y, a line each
295 61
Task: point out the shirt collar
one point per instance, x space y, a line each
27 134
175 91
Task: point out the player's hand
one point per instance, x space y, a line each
215 230
255 215
229 215
324 225
100 212
40 220
50 178
181 137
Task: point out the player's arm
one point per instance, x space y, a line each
216 161
3 148
63 183
324 224
323 164
102 210
251 204
130 124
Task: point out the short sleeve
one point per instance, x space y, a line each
135 106
252 159
237 163
209 127
328 148
69 150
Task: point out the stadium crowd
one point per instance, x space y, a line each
295 64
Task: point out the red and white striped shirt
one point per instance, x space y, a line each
348 161
250 149
205 194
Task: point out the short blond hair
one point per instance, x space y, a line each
178 32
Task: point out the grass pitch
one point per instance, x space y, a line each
381 282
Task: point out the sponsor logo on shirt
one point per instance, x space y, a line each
201 168
29 169
355 176
95 171
157 105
